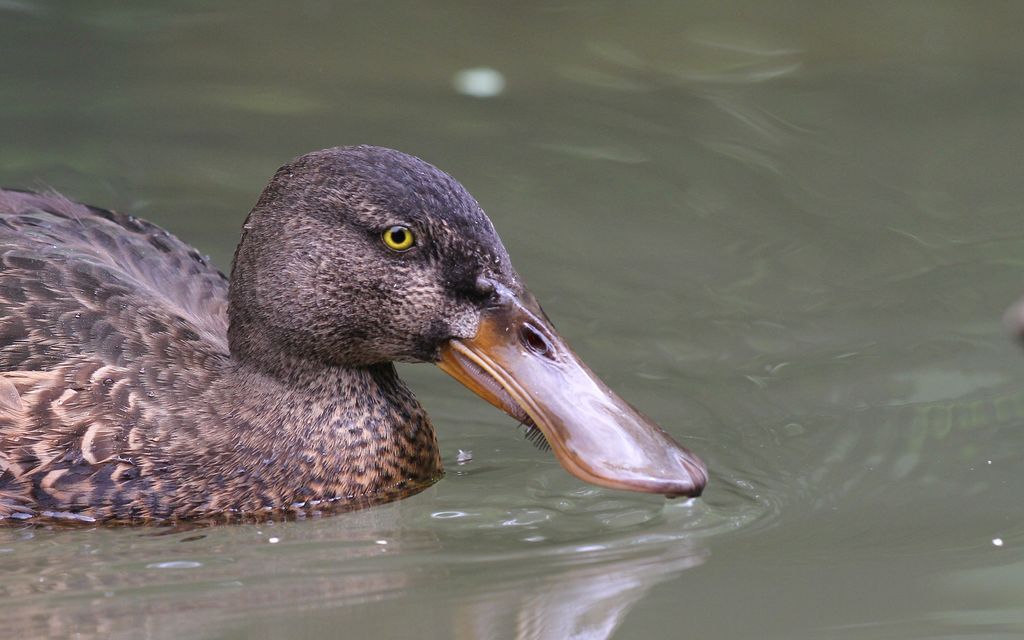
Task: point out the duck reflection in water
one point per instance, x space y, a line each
219 580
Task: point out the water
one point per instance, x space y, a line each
786 231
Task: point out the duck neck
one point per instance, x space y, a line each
307 432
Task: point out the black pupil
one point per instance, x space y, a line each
398 235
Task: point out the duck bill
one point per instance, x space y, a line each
519 363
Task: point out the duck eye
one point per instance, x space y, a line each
398 238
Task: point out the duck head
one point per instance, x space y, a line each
360 256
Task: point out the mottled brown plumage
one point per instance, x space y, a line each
130 405
136 384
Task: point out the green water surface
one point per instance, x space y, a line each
786 230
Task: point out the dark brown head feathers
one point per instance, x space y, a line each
135 386
312 275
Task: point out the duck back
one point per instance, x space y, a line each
105 321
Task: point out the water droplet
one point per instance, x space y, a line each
446 515
794 429
175 564
590 547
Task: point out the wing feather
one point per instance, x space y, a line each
100 315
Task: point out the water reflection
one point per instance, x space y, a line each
223 578
586 602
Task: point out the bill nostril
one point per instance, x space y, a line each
535 341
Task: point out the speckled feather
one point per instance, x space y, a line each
121 399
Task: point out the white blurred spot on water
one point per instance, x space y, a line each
997 542
479 82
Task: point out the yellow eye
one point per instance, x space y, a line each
399 238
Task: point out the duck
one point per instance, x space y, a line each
140 384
